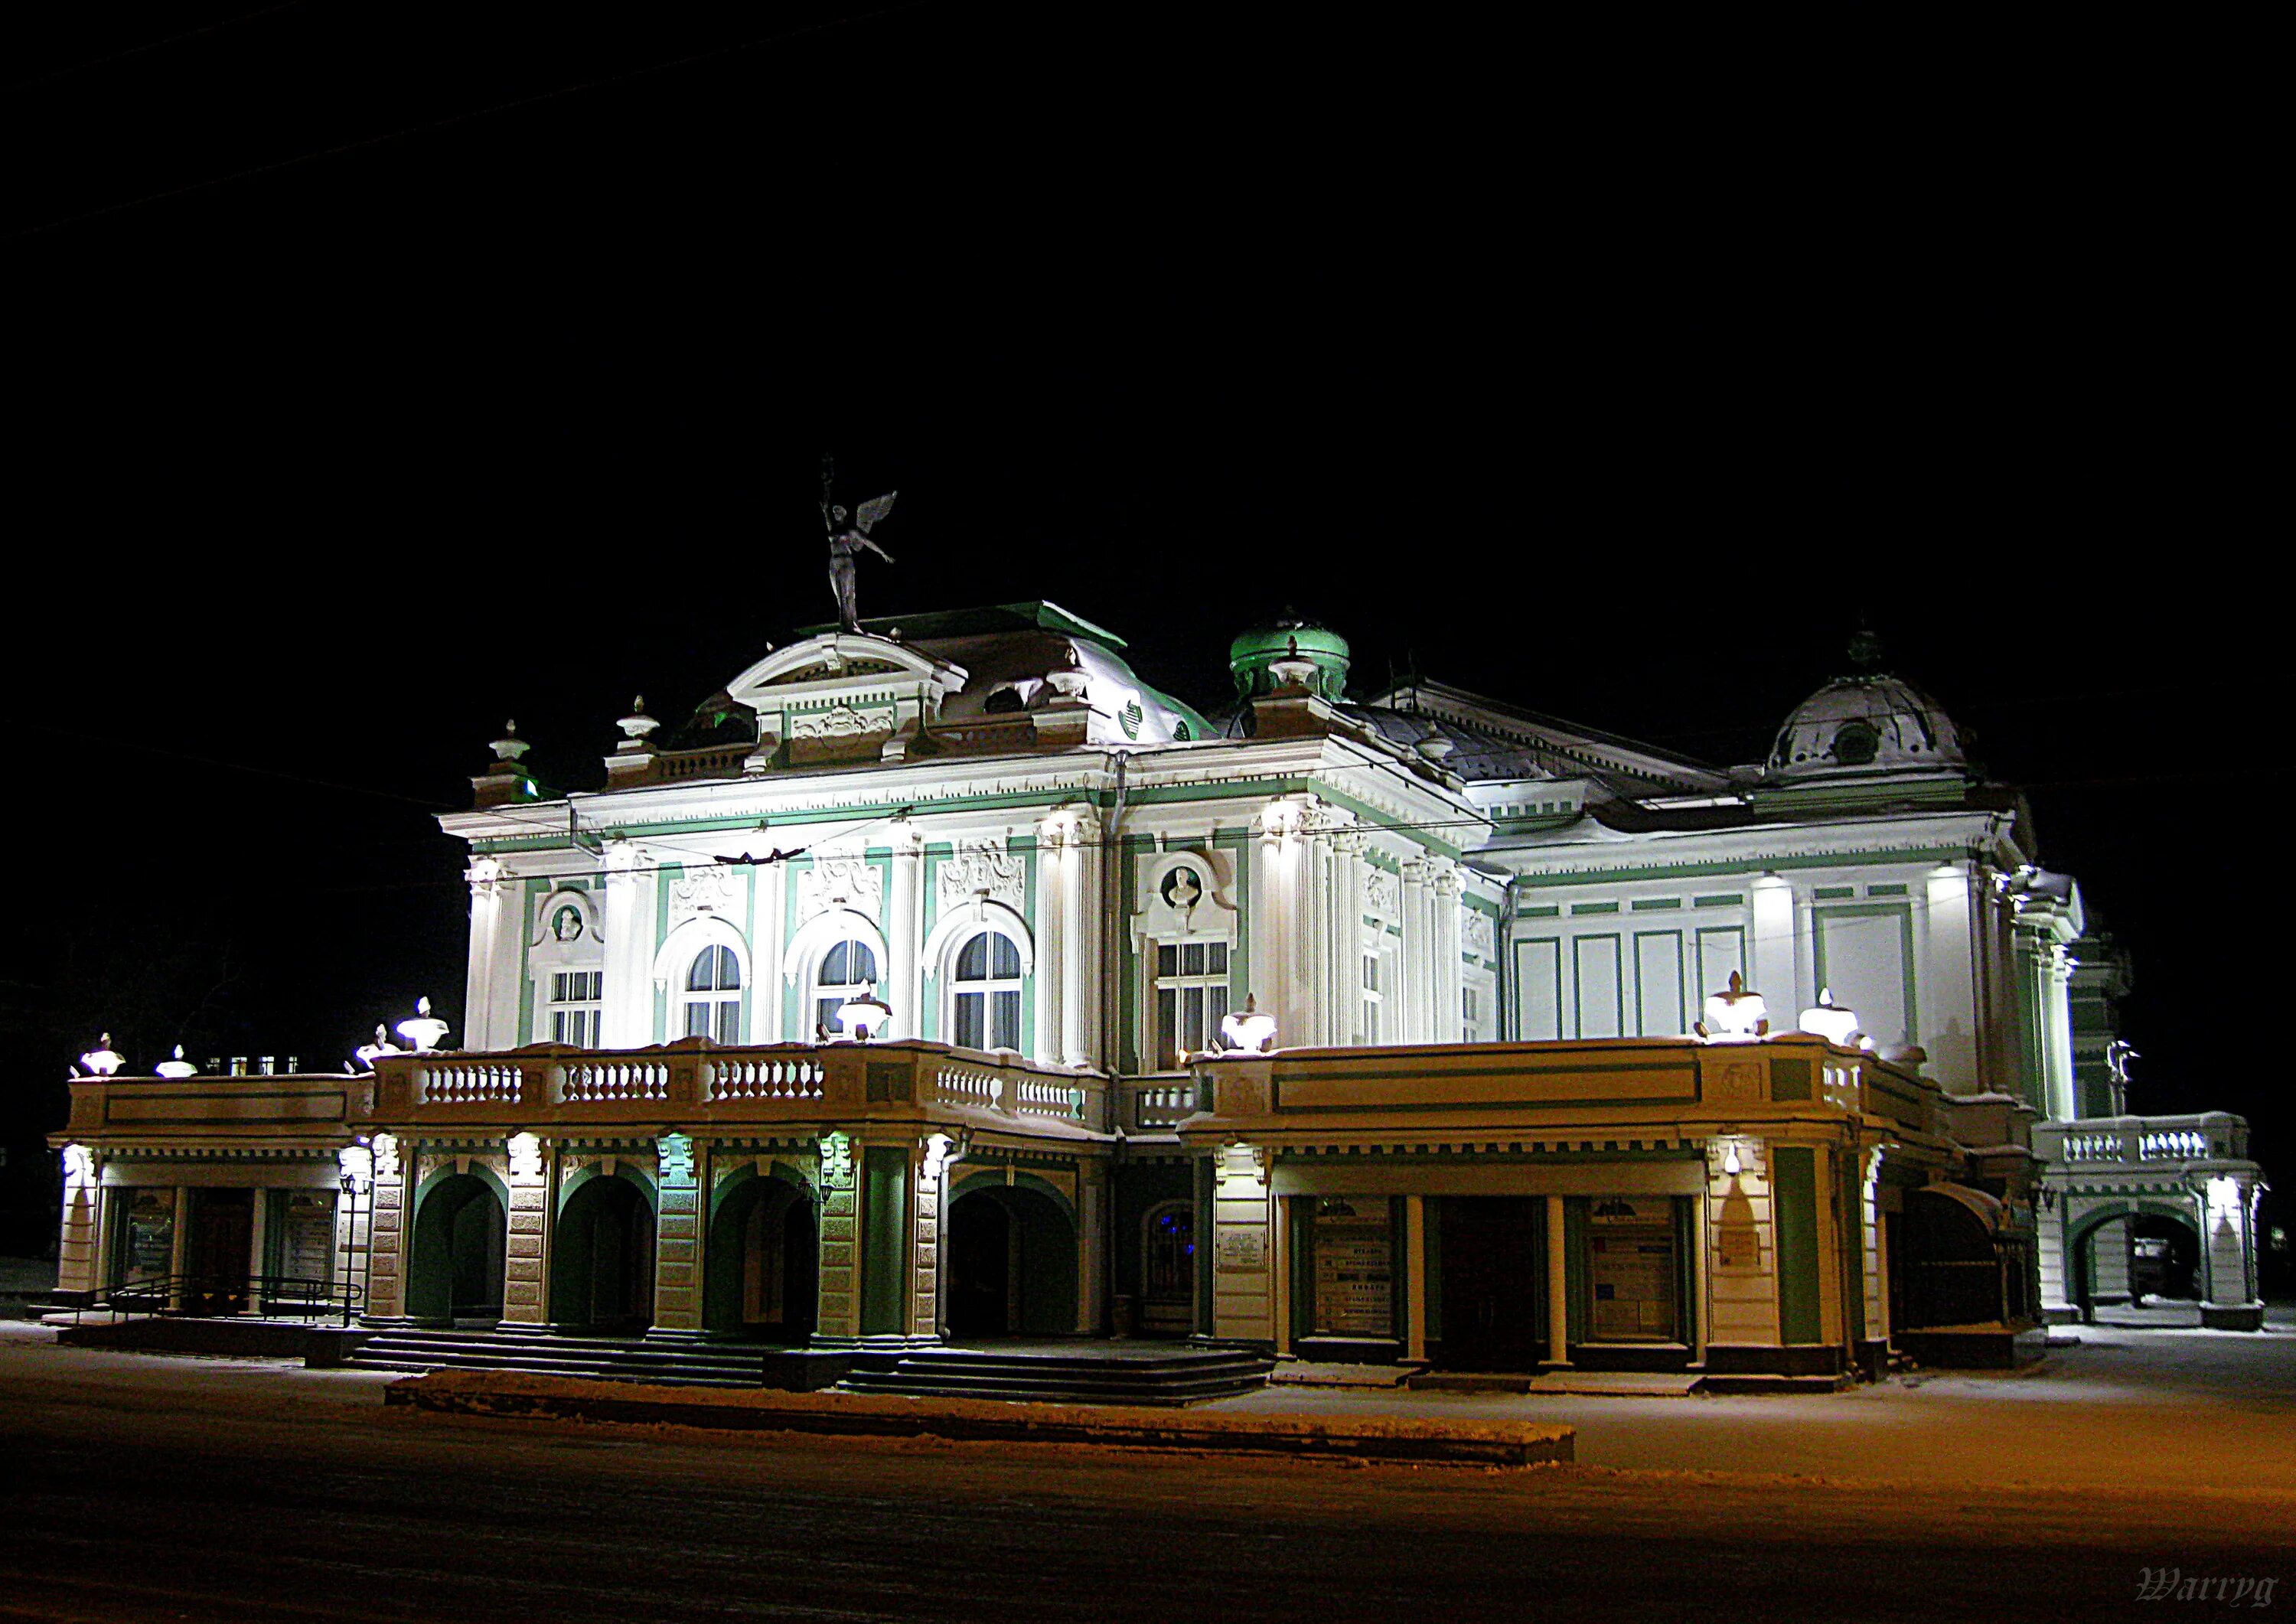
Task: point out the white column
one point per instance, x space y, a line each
905 934
766 950
491 994
1770 954
1278 880
628 1020
1345 1015
2056 993
1946 983
1410 992
1068 889
1448 883
1082 953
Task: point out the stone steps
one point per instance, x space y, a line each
1183 1376
605 1358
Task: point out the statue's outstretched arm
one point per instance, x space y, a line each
878 551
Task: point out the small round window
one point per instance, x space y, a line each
1856 743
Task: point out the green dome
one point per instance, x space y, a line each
1253 652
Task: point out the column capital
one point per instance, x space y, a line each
486 876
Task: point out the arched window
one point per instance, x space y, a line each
986 988
713 995
847 970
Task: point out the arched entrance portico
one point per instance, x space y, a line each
2110 1264
602 1258
1011 1260
761 1282
454 1265
1950 1263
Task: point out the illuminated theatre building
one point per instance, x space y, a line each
882 1003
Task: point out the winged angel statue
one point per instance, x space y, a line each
844 544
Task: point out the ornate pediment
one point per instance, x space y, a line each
840 882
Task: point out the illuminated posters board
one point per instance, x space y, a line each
1630 1270
1355 1269
151 1240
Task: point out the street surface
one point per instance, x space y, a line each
138 1487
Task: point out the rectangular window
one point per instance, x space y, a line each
1470 1013
1191 999
574 1012
1372 995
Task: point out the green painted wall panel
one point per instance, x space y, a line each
1793 1207
885 1246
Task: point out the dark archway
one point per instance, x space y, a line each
1012 1263
602 1258
1168 1268
2164 1258
455 1270
1947 1267
761 1282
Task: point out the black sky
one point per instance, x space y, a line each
381 371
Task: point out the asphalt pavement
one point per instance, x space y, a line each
146 1488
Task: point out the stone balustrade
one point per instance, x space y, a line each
698 1082
2214 1135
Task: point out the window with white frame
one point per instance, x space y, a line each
713 995
849 970
576 1005
1191 998
987 1009
1474 1004
1372 994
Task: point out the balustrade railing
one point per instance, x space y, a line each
737 1078
2211 1136
969 1086
468 1082
591 1081
1159 1105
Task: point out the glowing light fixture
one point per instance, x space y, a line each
101 1061
863 1018
367 1054
1247 1031
1830 1022
178 1066
424 1030
1732 1163
1735 1014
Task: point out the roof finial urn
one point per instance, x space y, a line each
636 726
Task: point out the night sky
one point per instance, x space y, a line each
380 373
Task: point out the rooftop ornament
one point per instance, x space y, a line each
636 726
1247 1031
846 541
424 1030
101 1061
364 1057
1837 1025
1733 1015
177 1068
510 747
863 1018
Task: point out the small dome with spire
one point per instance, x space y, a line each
1866 723
1289 637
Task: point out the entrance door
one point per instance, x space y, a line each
1493 1285
223 1225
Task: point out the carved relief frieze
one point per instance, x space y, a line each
846 882
982 868
711 889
